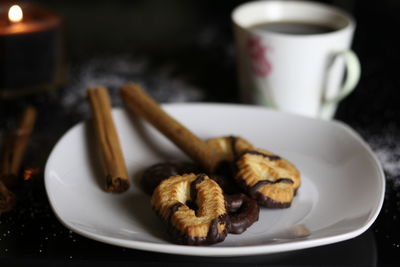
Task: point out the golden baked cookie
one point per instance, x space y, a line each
268 178
193 207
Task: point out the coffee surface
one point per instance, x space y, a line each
293 27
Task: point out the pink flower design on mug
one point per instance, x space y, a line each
257 51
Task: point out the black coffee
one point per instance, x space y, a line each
297 28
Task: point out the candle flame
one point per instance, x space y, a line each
15 13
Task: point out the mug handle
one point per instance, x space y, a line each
353 70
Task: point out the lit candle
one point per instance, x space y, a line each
31 50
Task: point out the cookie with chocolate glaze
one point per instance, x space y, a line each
268 178
193 208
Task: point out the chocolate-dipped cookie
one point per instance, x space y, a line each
193 207
268 178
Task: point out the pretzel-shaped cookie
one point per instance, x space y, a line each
193 207
268 178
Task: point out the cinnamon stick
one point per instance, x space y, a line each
15 147
108 141
141 104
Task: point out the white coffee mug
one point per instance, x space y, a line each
295 72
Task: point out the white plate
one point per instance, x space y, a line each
340 197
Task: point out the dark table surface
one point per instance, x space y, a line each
183 51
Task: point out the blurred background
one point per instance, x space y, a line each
188 45
191 42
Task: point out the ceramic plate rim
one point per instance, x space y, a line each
225 251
